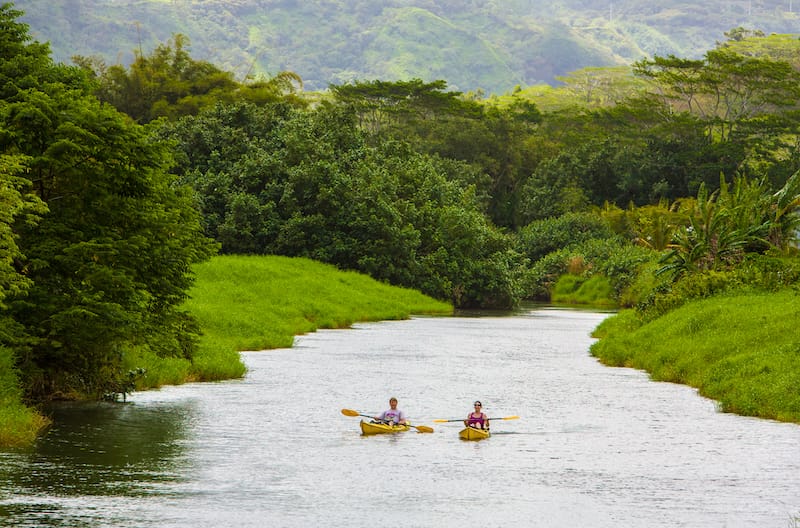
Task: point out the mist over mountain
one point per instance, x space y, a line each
491 45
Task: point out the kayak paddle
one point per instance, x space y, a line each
420 428
462 419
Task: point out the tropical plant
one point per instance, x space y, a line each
731 222
785 218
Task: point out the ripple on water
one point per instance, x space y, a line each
595 446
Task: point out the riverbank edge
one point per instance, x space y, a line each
241 303
740 349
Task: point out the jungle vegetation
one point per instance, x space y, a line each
675 179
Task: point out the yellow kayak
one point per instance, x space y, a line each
472 433
370 428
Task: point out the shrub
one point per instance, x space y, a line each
541 237
757 272
572 289
619 261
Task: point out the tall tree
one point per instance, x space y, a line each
109 262
738 97
170 83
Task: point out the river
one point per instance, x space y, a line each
593 446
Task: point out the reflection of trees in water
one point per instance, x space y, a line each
105 449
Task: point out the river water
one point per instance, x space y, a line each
594 446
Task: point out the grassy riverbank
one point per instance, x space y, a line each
242 303
262 302
19 424
742 350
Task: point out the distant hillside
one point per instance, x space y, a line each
472 44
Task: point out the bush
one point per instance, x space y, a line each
541 237
544 273
620 262
572 289
643 285
757 272
19 424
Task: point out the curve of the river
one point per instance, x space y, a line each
594 446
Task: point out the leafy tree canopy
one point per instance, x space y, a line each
108 263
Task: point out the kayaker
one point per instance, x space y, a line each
392 414
477 418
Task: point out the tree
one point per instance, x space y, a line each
595 87
379 104
108 264
278 180
490 138
22 63
170 83
17 204
727 90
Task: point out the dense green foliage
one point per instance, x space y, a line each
493 46
496 145
273 180
98 243
732 223
541 237
416 159
170 83
615 259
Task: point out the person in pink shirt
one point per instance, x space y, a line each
477 418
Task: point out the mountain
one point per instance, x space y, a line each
492 45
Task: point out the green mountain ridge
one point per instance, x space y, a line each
488 45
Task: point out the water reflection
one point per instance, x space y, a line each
95 450
102 449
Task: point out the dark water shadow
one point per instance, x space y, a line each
102 449
527 307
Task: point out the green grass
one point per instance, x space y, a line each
19 424
742 350
241 303
262 302
594 291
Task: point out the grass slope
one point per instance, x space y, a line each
262 302
19 424
742 350
241 303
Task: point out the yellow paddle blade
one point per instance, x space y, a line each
423 428
444 421
349 412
